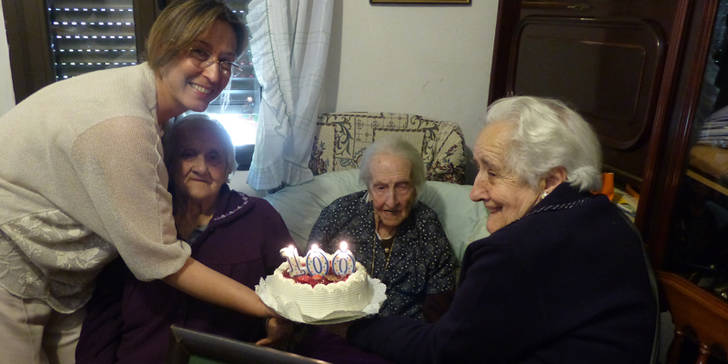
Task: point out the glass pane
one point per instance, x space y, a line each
91 35
698 246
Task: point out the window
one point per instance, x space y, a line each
87 37
52 40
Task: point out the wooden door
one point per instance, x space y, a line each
613 61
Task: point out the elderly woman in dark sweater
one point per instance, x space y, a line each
561 279
235 234
397 238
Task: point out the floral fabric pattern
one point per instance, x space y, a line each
342 138
52 258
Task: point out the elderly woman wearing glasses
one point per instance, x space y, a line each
82 180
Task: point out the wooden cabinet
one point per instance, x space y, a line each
692 237
647 75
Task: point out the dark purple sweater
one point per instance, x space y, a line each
131 325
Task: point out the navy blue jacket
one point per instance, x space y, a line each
567 283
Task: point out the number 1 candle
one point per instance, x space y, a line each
291 254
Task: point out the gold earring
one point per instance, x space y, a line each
544 194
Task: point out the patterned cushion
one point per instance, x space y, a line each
342 138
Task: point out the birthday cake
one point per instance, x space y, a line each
321 298
317 299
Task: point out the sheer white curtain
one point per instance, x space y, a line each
289 45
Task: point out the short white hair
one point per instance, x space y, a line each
394 146
547 134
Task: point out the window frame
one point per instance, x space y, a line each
26 24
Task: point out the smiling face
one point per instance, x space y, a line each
506 197
391 189
199 167
185 85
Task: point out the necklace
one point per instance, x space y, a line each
387 250
387 244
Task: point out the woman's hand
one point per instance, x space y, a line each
279 330
199 281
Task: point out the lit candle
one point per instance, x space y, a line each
291 254
317 263
343 262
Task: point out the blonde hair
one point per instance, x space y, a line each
183 21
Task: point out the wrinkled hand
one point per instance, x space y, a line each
279 331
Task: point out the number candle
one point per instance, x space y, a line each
291 254
317 263
343 262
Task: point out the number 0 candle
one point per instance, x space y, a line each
316 261
343 262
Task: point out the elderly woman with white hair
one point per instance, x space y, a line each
563 277
397 238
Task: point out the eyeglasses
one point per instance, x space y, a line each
204 59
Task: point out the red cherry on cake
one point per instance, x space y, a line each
303 278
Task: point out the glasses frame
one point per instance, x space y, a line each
204 59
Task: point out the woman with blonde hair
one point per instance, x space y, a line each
82 181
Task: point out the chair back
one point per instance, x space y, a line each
697 315
342 137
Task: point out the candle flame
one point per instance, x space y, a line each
343 245
289 251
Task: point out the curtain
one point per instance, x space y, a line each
289 45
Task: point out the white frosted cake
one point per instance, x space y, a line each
352 294
357 295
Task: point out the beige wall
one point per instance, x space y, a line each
7 96
430 60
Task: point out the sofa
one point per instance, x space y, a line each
339 143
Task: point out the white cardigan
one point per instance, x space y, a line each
82 178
